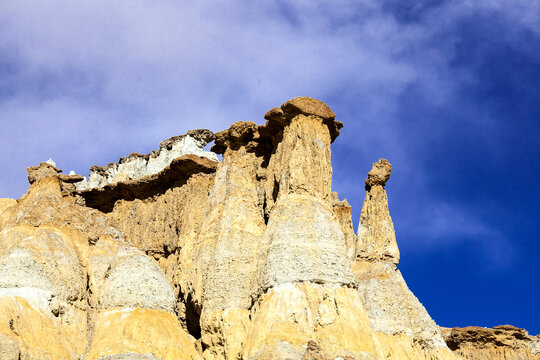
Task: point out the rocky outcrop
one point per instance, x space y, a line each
174 175
504 342
174 255
394 312
376 236
72 287
136 166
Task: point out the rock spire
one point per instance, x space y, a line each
176 255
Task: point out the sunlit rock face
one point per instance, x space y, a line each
502 342
176 255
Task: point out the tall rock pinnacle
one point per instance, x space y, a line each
174 255
392 308
376 236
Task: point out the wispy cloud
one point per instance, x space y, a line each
87 82
440 226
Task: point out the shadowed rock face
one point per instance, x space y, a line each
174 255
175 174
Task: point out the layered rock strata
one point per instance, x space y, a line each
174 255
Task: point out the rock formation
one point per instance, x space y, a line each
176 255
504 342
136 166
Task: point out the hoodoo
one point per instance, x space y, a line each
177 255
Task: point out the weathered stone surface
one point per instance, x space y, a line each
163 225
136 166
49 247
140 331
172 255
402 325
41 266
134 280
226 254
376 236
43 170
304 243
238 134
342 210
300 164
263 138
289 316
230 235
502 342
175 174
9 349
379 173
6 203
308 106
129 356
303 240
224 332
392 308
36 335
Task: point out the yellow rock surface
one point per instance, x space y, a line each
224 332
142 331
290 315
37 337
5 203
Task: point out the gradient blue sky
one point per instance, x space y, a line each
447 91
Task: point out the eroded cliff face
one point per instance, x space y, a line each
174 255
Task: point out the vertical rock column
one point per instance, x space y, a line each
376 236
304 239
402 325
227 247
306 279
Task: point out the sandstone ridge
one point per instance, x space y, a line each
176 255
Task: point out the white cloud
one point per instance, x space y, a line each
100 79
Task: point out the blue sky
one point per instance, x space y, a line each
447 91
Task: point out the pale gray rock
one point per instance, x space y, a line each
137 166
535 345
19 269
41 259
134 280
304 243
9 349
21 276
41 266
279 350
393 309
